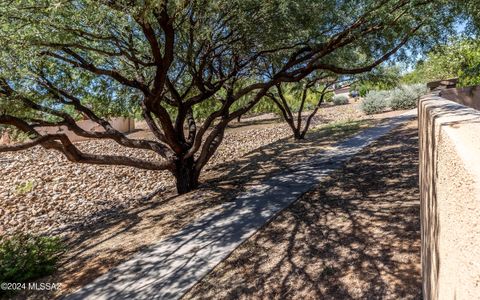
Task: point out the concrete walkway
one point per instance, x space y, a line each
168 269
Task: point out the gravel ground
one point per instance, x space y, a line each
116 233
40 191
356 236
101 237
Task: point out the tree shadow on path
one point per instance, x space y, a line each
121 232
232 178
356 236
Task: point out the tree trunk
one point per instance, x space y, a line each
185 175
298 135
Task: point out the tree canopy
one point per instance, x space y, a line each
167 59
459 58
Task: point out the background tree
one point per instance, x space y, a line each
169 58
459 58
318 84
384 77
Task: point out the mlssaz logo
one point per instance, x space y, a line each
43 286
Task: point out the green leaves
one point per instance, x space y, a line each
381 78
33 31
459 58
111 56
25 257
470 72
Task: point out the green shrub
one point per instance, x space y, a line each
406 96
15 134
375 102
340 100
25 257
24 188
328 98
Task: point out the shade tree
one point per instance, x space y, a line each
318 85
170 58
459 58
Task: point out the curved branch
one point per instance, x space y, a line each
80 62
62 143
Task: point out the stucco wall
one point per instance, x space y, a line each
469 96
450 199
442 84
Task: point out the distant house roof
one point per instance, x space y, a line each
342 90
442 84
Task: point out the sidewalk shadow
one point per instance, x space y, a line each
228 181
232 178
356 236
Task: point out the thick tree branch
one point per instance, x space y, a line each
60 142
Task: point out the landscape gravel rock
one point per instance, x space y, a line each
40 191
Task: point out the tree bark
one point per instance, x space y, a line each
298 136
186 176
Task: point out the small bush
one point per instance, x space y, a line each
328 98
25 257
376 102
14 134
340 100
24 188
406 96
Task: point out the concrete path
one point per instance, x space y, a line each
168 269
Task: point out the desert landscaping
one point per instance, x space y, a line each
79 194
239 149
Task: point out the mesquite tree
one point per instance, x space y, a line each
63 59
318 84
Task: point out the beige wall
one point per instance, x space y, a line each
450 199
469 96
141 124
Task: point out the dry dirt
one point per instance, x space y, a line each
42 192
107 235
113 239
355 236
